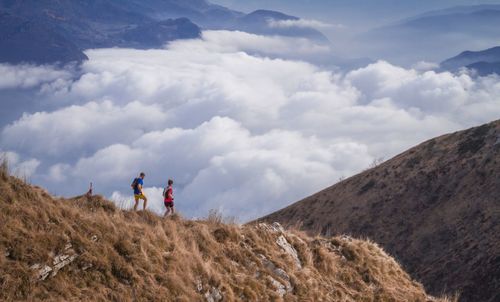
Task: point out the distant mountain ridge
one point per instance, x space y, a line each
436 207
47 31
463 9
484 62
419 38
260 21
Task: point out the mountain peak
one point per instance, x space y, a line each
484 61
271 14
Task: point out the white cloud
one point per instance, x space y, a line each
428 91
236 130
237 41
28 76
75 127
154 203
18 167
302 23
425 66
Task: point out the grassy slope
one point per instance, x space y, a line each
127 256
435 207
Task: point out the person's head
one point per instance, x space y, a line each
170 182
142 175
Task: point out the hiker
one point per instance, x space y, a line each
137 185
168 194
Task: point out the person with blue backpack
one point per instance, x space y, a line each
137 185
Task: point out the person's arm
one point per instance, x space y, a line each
170 194
139 186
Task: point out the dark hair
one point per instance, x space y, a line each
142 174
170 182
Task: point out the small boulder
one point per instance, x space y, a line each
213 295
289 249
278 286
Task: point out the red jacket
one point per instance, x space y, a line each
169 194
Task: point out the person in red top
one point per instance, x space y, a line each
168 194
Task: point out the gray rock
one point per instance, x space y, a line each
346 238
86 266
61 261
213 295
42 272
273 228
278 227
282 274
277 271
289 249
199 285
278 286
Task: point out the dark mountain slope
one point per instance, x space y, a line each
60 30
155 34
485 68
436 207
22 40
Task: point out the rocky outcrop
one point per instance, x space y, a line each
43 271
288 248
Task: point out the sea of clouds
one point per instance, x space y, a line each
238 128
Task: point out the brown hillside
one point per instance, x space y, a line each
88 250
436 207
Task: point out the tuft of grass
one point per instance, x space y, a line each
215 217
4 167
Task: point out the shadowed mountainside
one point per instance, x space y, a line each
49 31
436 207
85 249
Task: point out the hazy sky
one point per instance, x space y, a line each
350 12
353 20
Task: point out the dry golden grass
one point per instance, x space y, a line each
128 256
